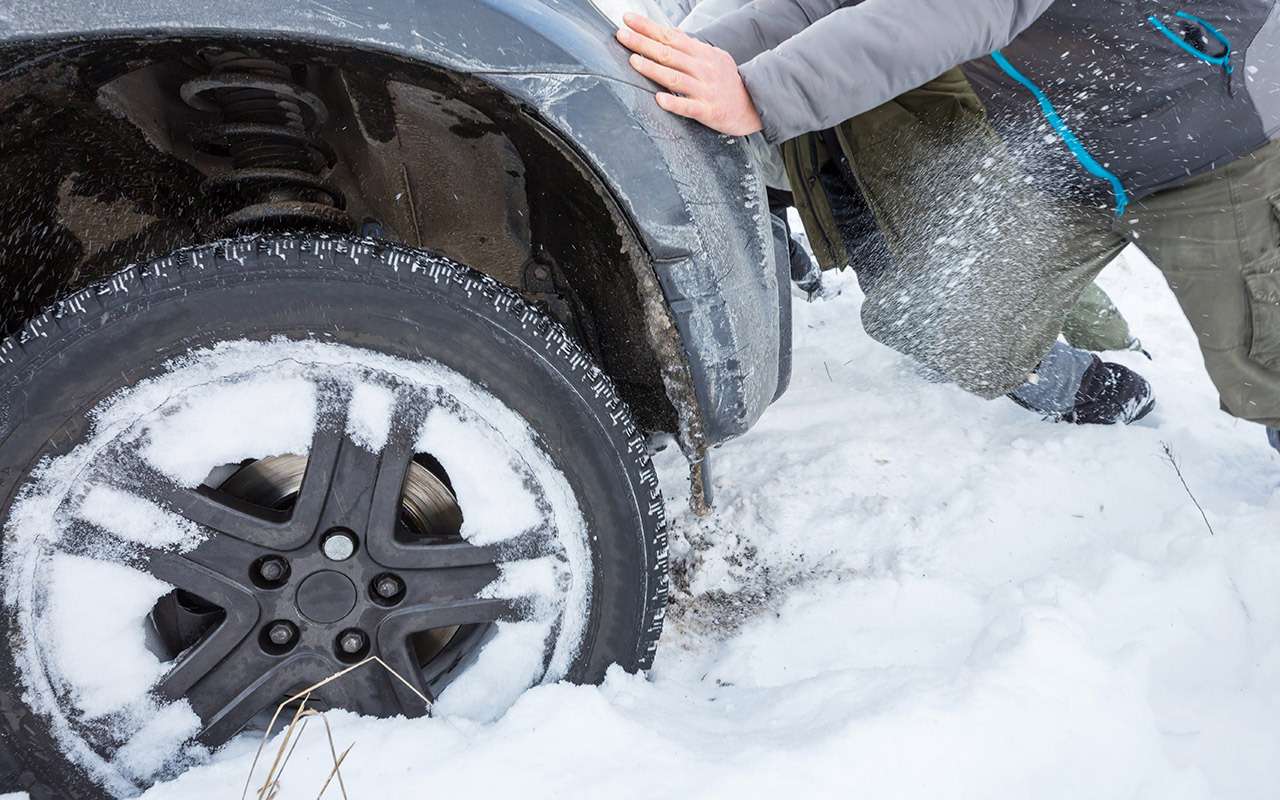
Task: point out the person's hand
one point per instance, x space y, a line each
702 82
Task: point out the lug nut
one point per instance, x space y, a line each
280 633
273 569
351 642
388 586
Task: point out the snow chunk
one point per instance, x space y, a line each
159 741
511 663
137 519
495 501
536 581
530 577
369 422
96 611
254 416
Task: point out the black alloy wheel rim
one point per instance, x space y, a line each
282 598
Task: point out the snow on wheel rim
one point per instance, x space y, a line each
136 508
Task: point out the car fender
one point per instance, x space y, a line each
693 196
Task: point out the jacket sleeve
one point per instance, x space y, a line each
861 56
763 25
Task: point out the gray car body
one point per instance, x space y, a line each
692 196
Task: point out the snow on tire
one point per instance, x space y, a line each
230 473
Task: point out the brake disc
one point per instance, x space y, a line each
428 507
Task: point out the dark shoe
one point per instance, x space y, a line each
1109 394
804 273
1273 436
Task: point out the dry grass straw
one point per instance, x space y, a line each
271 786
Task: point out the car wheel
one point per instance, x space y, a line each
233 472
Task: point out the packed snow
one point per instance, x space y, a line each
81 642
137 519
909 592
256 415
470 457
369 424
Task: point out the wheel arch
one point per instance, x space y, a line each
699 318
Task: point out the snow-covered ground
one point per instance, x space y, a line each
908 592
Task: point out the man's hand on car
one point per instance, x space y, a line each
702 81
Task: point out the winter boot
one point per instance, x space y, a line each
1273 436
805 273
1072 385
1111 393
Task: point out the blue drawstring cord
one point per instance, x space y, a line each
1073 144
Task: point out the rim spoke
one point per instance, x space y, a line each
410 413
395 554
328 441
229 557
205 507
365 691
347 486
396 649
239 605
397 653
446 587
212 570
247 683
237 599
426 612
237 602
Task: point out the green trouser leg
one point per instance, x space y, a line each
1217 240
1094 323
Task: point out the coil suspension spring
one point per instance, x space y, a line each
268 126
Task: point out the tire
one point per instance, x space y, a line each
383 300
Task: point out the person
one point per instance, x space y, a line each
1093 323
1159 115
953 331
958 281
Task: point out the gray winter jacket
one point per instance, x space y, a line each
1141 94
806 77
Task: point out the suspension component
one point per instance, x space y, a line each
269 127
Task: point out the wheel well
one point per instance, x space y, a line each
99 169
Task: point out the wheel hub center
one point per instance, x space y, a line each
326 597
